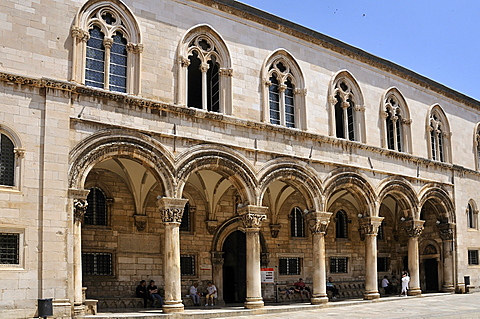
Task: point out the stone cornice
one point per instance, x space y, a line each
298 31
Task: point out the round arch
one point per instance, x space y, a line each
402 191
441 200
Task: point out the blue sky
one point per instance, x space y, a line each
437 39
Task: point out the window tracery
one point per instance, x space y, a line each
396 122
439 135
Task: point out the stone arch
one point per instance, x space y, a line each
444 205
402 191
438 127
363 192
224 161
296 173
425 246
110 143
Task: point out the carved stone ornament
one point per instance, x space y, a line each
274 230
217 258
446 231
226 72
413 228
171 209
318 222
369 226
252 220
140 222
19 152
79 209
172 215
211 226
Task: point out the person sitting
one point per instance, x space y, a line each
154 295
331 287
211 294
195 295
386 285
301 288
141 292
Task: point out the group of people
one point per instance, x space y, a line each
148 293
391 286
210 295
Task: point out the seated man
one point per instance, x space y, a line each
153 292
331 287
211 294
195 295
302 288
386 285
141 292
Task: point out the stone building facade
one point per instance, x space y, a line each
197 140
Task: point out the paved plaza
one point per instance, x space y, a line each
425 306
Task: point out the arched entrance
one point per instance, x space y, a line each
429 269
234 268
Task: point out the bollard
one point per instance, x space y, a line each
45 308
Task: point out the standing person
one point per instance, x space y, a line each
141 292
211 294
394 284
405 281
195 295
386 285
331 287
301 288
153 291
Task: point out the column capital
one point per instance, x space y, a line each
79 209
171 209
446 231
368 225
217 258
318 221
413 228
252 216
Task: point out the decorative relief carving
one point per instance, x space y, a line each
252 220
211 226
274 230
140 222
107 42
447 231
79 209
413 228
80 34
217 258
318 222
226 72
171 209
302 92
172 215
19 152
369 226
184 62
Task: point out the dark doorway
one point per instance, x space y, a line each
431 274
234 268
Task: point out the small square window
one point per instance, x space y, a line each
9 248
97 264
338 265
473 257
289 266
187 265
382 264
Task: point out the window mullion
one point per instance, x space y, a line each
107 43
281 92
204 68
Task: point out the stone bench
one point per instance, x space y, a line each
285 292
133 302
347 290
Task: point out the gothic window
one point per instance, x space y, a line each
7 161
439 135
289 266
396 121
97 264
297 223
471 216
106 47
346 108
338 265
477 146
187 265
204 72
341 224
284 92
96 213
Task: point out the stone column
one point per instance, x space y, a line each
368 231
217 274
171 211
318 223
252 217
204 69
79 209
413 228
447 234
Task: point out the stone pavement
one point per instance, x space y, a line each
425 306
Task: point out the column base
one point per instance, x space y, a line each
415 292
253 303
319 300
371 295
78 310
173 307
448 288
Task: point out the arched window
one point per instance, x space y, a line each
204 71
477 146
396 122
97 208
297 223
284 92
7 161
106 47
341 224
346 108
439 130
472 214
186 218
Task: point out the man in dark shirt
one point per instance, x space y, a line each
154 293
141 292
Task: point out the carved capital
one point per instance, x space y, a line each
252 216
318 222
134 48
140 222
217 258
211 226
332 99
107 42
19 152
275 229
302 92
407 121
413 228
282 88
369 226
171 209
79 33
183 62
79 209
447 231
226 72
359 108
204 67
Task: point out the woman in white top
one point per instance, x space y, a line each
405 281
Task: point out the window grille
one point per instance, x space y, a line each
297 223
338 265
9 248
289 266
382 264
185 225
97 264
7 161
96 213
473 257
187 265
